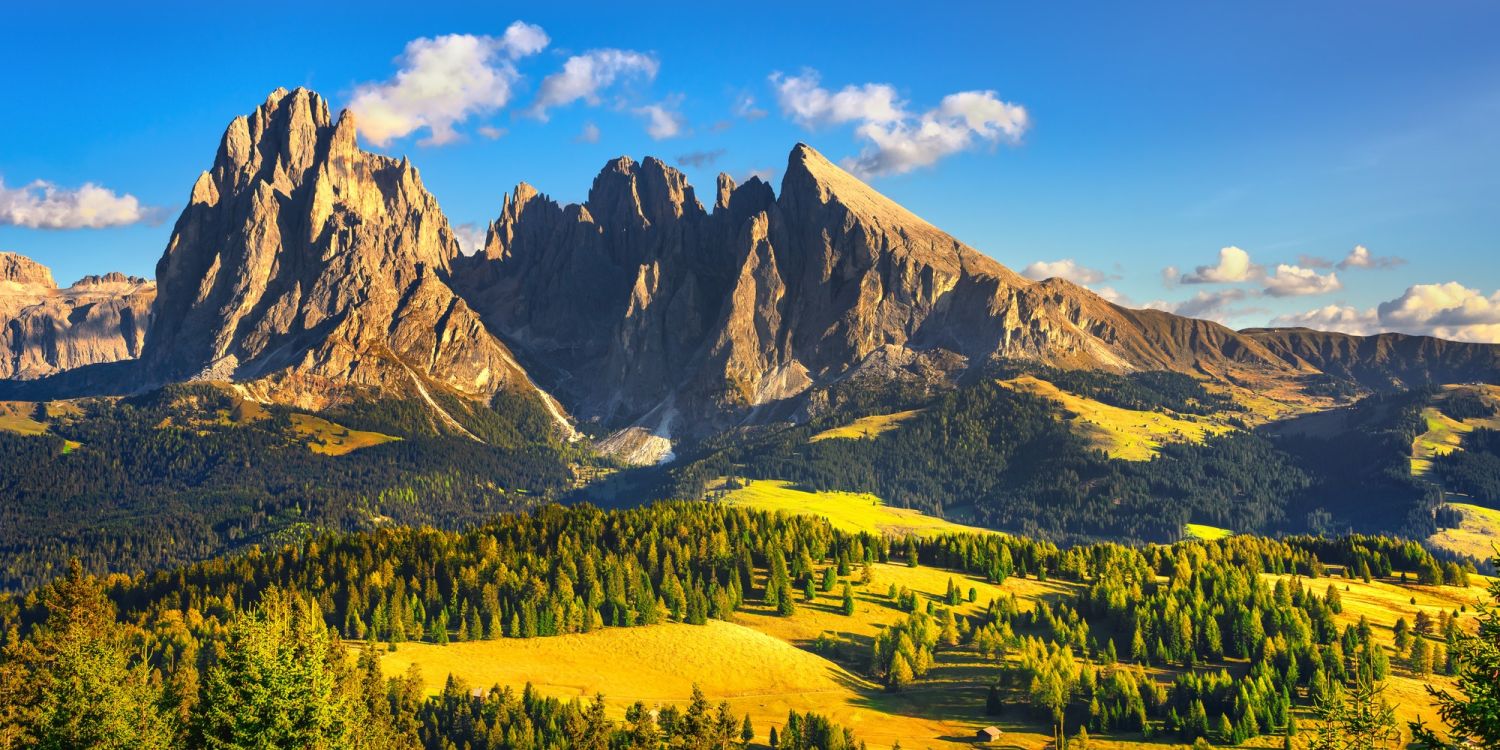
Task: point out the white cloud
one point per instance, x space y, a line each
442 82
1448 311
1360 257
1064 269
470 236
745 108
813 106
1296 281
585 76
589 134
1112 294
491 132
900 140
1343 318
1217 306
43 205
1170 276
662 122
1234 266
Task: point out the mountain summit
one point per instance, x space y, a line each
316 272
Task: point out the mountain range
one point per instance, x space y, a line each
315 274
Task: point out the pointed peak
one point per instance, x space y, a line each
725 189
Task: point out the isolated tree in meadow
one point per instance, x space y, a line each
847 608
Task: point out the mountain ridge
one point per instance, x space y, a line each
315 273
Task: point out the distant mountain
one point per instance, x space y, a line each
644 311
47 330
1383 361
318 274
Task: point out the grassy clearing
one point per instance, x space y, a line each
1122 433
762 664
334 439
1206 532
867 427
848 511
1445 434
1476 536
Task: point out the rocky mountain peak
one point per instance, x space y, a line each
23 271
316 271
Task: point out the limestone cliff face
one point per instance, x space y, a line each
45 330
316 272
647 311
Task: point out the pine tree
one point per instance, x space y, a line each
993 705
848 606
747 731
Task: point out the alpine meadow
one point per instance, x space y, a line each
1192 442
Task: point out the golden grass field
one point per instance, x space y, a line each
764 665
867 427
847 511
333 439
1476 537
761 663
1206 532
19 417
1122 433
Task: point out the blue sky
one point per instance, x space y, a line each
1154 134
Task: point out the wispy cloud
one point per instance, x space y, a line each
1360 257
899 140
663 121
442 82
589 134
1066 268
584 78
43 205
698 159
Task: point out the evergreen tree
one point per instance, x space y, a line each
277 684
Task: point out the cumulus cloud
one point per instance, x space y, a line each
470 237
662 121
1296 281
491 132
442 82
43 205
1360 257
1447 311
1217 306
1064 269
899 140
1313 261
1234 266
589 134
584 77
1342 318
700 158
